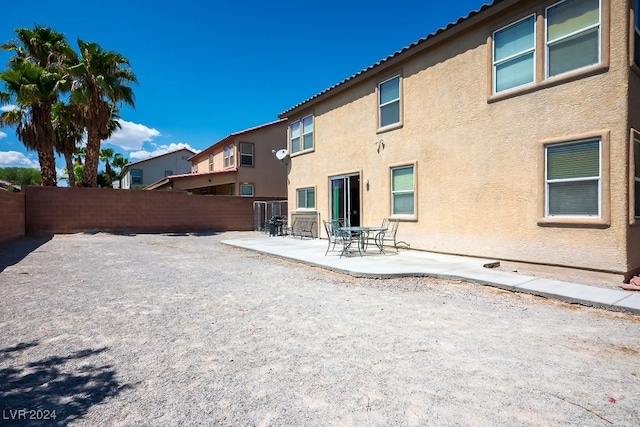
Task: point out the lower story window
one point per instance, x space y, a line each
402 191
636 187
246 190
573 179
306 198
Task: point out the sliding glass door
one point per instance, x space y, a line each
344 198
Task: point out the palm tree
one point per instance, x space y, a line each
35 91
35 79
68 133
78 163
40 45
119 161
101 85
106 155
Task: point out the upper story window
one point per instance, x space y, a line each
514 55
573 179
301 135
210 162
306 198
402 191
389 102
246 154
136 176
572 41
228 156
573 35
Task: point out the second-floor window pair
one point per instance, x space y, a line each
301 135
571 41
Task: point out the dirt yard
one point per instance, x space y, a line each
180 329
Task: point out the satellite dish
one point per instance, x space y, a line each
282 153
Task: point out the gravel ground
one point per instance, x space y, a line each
182 330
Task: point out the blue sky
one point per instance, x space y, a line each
207 70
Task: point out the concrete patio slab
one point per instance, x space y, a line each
630 304
420 263
573 293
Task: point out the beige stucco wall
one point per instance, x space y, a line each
633 242
202 158
478 160
268 175
153 169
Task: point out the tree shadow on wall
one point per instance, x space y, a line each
56 383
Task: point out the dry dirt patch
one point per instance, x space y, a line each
182 330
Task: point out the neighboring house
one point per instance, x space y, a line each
241 164
509 134
9 186
144 172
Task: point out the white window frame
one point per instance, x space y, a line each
497 63
297 132
306 191
636 178
548 42
243 186
210 162
549 182
247 155
304 134
133 178
395 192
395 100
228 156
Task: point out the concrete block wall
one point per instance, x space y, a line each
12 215
72 210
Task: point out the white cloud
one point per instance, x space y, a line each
132 135
60 173
17 159
3 135
8 107
160 150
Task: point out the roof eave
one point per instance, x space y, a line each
438 36
232 136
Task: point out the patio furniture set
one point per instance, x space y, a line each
301 227
356 239
346 238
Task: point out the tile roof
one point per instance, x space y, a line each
128 165
241 132
170 178
395 54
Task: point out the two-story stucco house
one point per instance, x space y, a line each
240 164
512 133
145 172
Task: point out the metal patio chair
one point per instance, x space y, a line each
389 235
